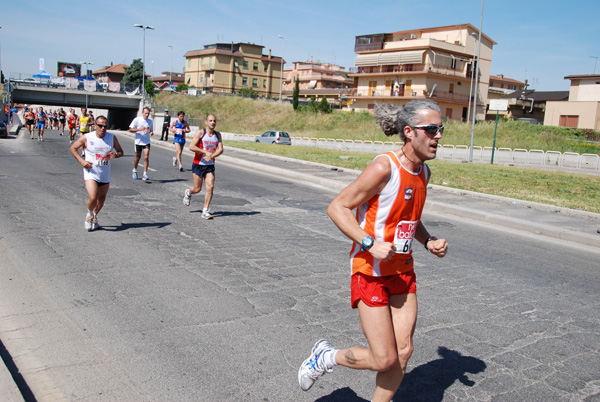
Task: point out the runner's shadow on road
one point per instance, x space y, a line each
342 395
429 381
227 213
168 181
127 226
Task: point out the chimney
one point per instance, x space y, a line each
269 54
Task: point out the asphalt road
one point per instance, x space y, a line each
161 305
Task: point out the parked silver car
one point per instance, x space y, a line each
275 137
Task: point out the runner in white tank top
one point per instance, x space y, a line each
100 147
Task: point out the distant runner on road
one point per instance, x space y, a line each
388 197
179 128
72 121
42 120
143 129
100 148
29 116
207 145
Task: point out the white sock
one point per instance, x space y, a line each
329 358
204 210
90 213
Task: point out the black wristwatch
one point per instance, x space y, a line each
427 241
367 243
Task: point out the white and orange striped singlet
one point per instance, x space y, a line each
392 216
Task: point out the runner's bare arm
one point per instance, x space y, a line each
81 142
117 147
371 181
195 141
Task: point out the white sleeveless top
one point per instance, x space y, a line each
98 152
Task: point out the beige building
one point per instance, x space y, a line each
229 67
434 63
317 80
582 110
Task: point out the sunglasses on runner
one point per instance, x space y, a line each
431 129
101 125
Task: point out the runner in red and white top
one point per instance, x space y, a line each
207 146
389 197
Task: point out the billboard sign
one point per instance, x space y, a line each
68 69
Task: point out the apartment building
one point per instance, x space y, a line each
435 63
582 109
112 73
500 83
317 80
229 67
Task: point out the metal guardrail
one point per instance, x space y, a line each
458 153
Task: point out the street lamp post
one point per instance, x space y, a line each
85 63
476 84
171 68
281 78
472 76
144 27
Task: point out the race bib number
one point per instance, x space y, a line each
84 125
102 159
178 131
405 233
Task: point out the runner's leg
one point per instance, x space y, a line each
210 186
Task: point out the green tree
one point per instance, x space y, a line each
182 87
324 106
296 94
133 73
312 105
248 92
151 89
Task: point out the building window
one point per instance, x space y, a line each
255 82
245 65
255 66
189 62
266 66
451 89
264 83
234 77
235 63
244 81
453 63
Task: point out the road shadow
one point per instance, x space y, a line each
227 213
127 226
169 181
342 395
429 381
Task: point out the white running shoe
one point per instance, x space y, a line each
134 175
174 161
95 223
88 225
314 367
186 198
206 215
145 177
180 168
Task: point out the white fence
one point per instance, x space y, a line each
458 153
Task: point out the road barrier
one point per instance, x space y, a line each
458 153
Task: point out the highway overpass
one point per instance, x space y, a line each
122 108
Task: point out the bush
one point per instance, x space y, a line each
324 106
248 92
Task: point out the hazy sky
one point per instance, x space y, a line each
539 40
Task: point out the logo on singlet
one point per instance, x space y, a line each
408 193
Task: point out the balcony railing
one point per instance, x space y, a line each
413 68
